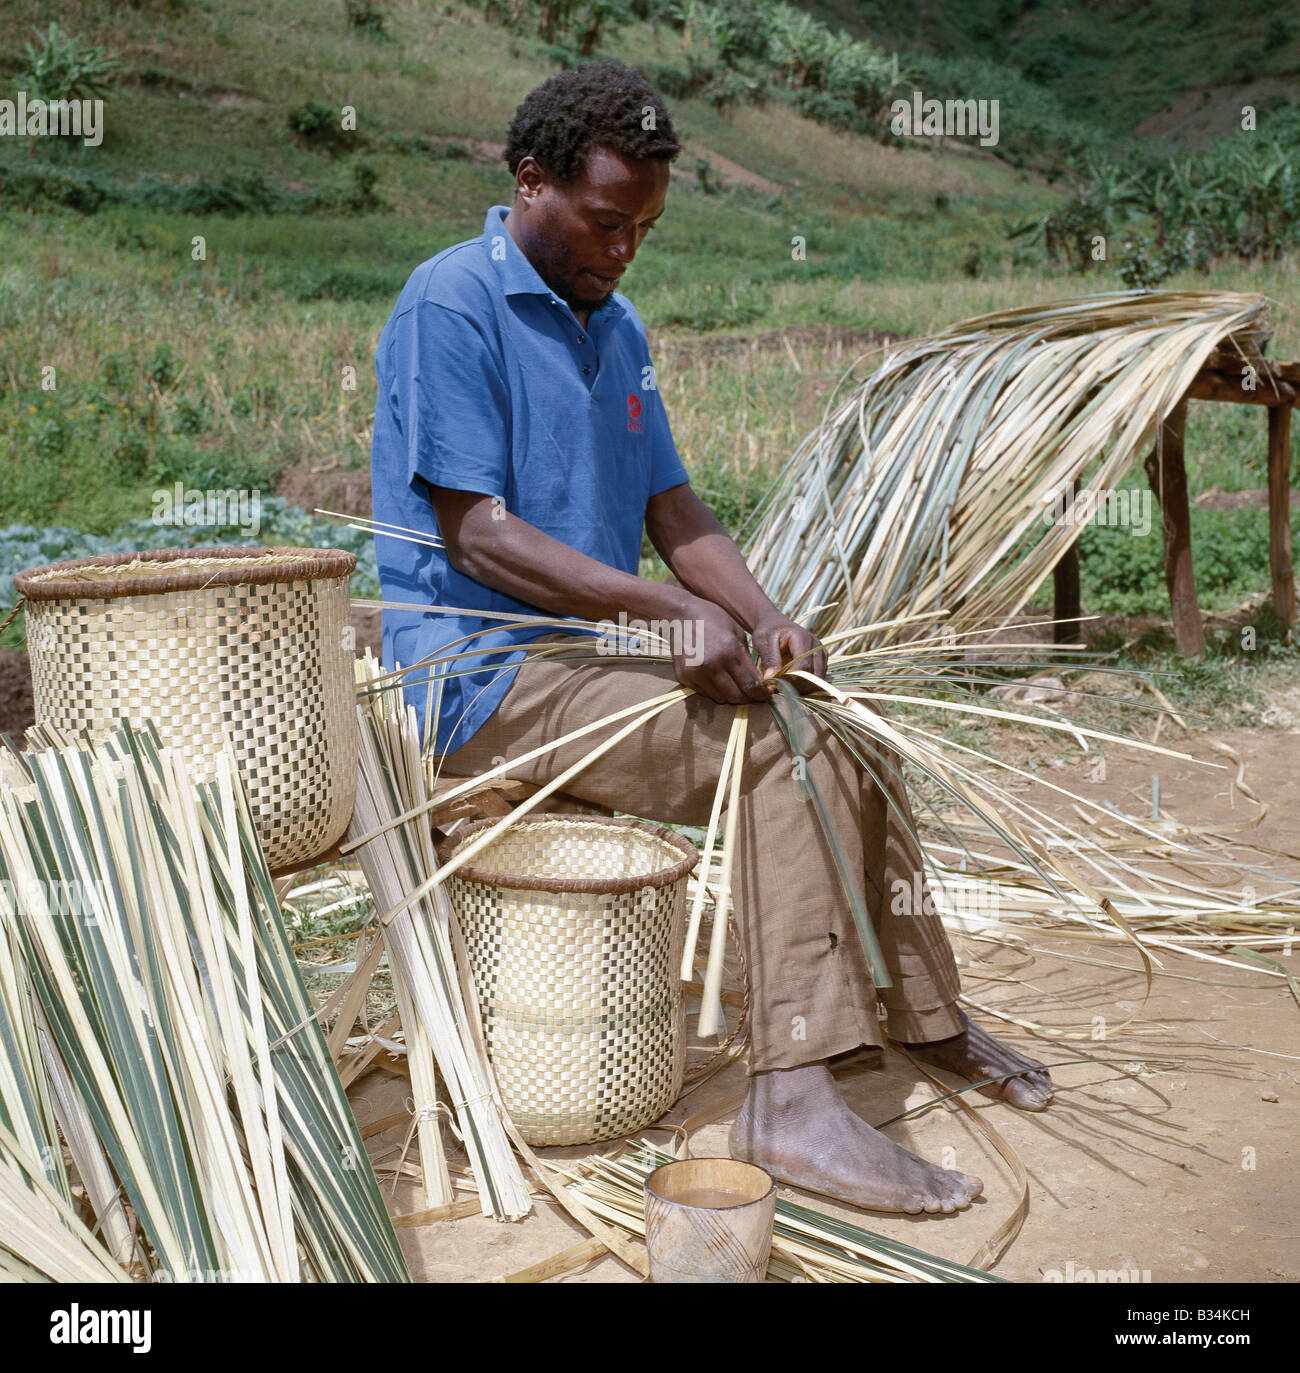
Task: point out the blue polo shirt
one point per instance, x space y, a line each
488 383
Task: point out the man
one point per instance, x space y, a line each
518 411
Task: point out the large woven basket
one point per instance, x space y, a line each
574 928
250 643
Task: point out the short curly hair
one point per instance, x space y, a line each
601 103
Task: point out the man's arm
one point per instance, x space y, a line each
487 543
705 559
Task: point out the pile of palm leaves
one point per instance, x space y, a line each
152 1014
926 485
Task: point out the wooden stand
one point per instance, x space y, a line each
1238 380
1167 474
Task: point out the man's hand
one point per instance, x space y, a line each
779 640
713 658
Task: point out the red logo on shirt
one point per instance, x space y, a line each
633 412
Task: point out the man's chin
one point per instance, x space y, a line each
584 298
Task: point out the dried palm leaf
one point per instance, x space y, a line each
926 485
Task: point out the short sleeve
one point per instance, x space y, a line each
450 400
666 469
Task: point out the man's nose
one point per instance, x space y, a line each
624 248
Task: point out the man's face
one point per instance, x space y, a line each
582 234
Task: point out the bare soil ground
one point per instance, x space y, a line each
1177 1160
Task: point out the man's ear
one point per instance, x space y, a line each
530 179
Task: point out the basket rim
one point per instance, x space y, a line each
597 886
249 566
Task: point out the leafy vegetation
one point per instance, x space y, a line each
1123 574
1169 212
61 67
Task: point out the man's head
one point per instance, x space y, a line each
590 150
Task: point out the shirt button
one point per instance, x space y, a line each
582 338
555 305
586 371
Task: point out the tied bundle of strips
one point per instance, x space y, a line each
143 955
807 1246
926 486
423 942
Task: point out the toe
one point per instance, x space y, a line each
953 1187
1027 1094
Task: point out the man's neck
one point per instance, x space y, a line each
512 228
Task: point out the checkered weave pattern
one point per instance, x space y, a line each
579 991
265 663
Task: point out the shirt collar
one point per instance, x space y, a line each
517 275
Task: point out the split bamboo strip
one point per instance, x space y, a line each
398 859
710 1005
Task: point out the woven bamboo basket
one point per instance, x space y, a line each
574 928
250 643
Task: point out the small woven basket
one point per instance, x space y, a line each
574 928
252 643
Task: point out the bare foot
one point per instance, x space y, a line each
976 1055
796 1126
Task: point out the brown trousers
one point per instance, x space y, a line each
811 992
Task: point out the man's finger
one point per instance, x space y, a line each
751 686
770 655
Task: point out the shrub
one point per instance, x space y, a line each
63 68
366 17
319 125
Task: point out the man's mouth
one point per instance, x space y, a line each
605 283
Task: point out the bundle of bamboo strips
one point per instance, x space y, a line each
182 1056
422 938
42 1239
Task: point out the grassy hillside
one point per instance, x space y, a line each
1110 63
253 364
232 367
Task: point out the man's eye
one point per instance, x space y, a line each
610 227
